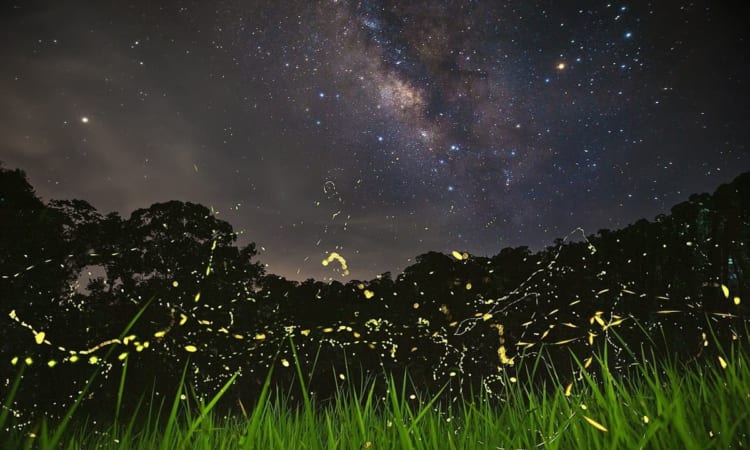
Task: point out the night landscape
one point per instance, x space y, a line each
374 224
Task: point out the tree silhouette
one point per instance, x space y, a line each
207 301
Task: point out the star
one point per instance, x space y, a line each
403 105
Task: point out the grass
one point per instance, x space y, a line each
662 405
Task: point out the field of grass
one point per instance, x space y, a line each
664 404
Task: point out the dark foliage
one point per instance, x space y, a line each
673 287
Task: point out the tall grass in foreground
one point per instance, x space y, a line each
663 405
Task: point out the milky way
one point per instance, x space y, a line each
378 129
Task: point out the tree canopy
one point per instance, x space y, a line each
461 318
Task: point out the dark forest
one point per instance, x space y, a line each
167 289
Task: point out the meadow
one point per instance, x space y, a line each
660 404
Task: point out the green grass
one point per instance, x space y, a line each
661 405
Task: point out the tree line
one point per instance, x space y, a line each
672 287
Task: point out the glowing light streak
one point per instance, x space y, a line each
334 256
596 424
459 255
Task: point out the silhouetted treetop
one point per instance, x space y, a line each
459 318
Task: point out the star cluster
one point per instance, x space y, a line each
379 129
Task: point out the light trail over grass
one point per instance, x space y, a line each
663 404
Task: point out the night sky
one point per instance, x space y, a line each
378 129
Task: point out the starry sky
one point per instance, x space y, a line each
378 129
